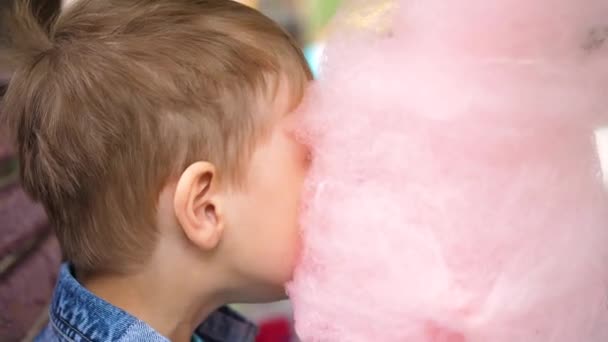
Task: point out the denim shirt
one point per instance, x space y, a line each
78 315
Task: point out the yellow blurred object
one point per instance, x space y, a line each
250 3
370 16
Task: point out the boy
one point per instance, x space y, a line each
156 134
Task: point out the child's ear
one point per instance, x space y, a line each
197 205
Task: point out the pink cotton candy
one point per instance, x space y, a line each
456 190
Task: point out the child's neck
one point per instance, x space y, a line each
168 303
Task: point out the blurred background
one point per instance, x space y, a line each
29 253
306 20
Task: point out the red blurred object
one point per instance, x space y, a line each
275 330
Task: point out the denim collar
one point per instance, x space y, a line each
76 314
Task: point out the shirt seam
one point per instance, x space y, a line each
58 331
69 326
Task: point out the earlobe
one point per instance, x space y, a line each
197 205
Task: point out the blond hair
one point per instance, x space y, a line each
118 96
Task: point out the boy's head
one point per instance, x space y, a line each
142 124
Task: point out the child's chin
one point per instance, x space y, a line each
277 291
268 294
282 295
